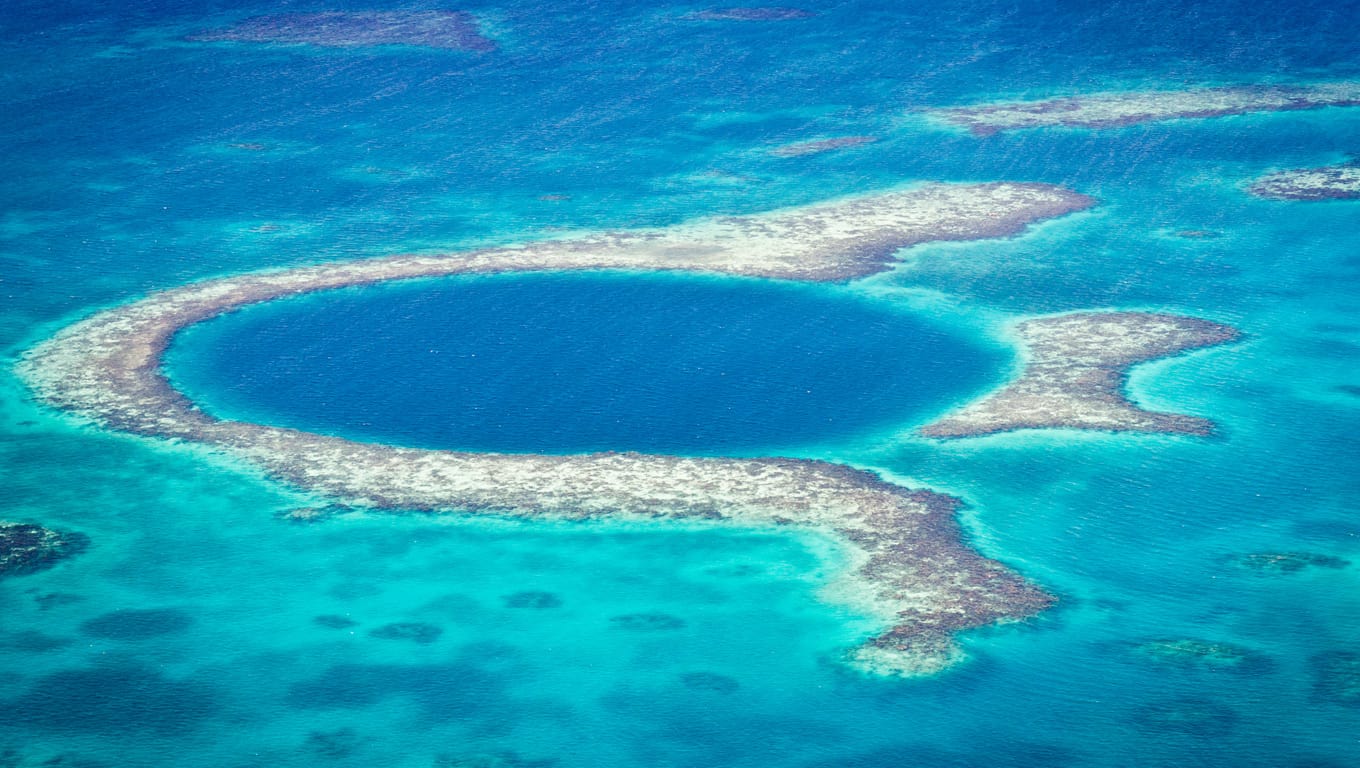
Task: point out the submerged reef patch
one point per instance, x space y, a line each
908 565
137 624
27 548
1336 677
1282 563
414 631
334 745
306 515
818 146
1074 375
30 641
1190 716
449 30
752 14
1116 110
648 622
112 699
1205 654
1335 182
492 760
539 601
709 681
334 621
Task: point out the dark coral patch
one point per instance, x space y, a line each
26 548
414 631
648 622
1188 715
334 621
709 681
113 700
1336 677
533 599
137 624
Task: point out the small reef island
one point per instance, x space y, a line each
1116 110
909 565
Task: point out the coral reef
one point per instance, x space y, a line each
1336 182
1115 110
910 566
1074 375
27 548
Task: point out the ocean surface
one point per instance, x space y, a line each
199 629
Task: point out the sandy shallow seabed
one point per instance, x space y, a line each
910 566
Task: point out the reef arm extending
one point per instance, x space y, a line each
1116 110
1075 372
910 566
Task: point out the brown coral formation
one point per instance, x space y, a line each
1075 372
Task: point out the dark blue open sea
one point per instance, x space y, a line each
187 634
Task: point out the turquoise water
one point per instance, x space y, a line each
574 364
123 178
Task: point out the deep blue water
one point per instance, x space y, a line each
188 633
571 364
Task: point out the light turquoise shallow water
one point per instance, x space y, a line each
121 179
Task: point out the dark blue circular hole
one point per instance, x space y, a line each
566 363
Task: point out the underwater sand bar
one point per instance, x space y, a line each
1335 182
1075 372
1115 110
909 567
